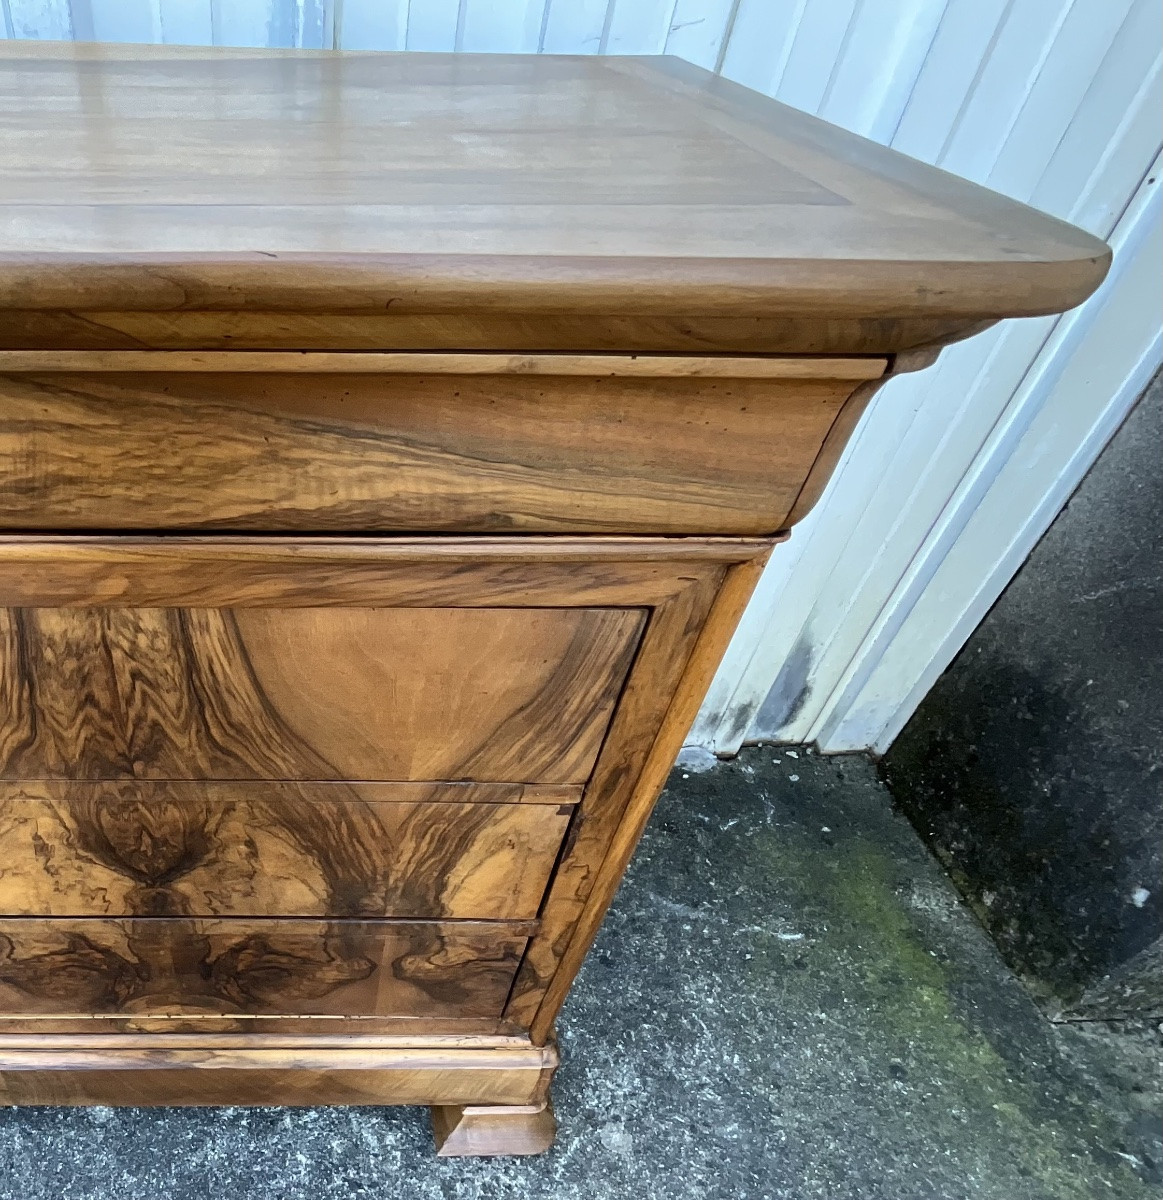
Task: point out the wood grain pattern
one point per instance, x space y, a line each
389 453
304 693
624 804
268 967
477 329
447 572
514 1075
610 189
592 366
490 1130
273 850
667 645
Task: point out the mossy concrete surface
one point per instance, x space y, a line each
1033 766
788 1000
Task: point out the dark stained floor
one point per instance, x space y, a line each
1034 767
788 1001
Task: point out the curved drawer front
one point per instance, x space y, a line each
500 694
123 849
156 967
413 443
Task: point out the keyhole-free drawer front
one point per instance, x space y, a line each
383 443
248 968
126 848
508 694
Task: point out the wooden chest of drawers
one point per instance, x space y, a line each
390 447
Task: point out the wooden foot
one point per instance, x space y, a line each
491 1129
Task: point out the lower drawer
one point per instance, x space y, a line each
278 849
162 966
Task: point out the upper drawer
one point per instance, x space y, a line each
384 443
518 694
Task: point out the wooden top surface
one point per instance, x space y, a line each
171 177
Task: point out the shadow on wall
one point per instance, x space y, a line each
1033 767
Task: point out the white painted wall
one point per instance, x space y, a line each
954 473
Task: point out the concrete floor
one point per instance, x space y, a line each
788 1000
1033 765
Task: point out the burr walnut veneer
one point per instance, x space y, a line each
390 444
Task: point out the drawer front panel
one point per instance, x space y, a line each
441 452
149 967
309 693
277 849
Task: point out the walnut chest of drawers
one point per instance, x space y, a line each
390 445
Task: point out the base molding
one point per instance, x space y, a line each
464 1131
291 1075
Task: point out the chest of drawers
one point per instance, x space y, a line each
391 444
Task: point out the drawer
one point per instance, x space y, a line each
378 443
246 967
310 693
124 849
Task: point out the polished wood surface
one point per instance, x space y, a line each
490 1130
264 572
301 1075
175 180
265 967
446 451
596 366
392 444
276 849
270 693
476 329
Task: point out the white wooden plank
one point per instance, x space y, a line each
819 39
760 42
698 30
432 25
314 24
1066 75
511 27
953 63
856 547
246 24
1081 389
117 20
936 452
873 75
186 22
574 26
1023 41
1126 85
45 20
638 26
371 24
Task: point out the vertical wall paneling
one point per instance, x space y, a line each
371 24
933 450
186 22
515 27
48 20
1080 393
847 596
1052 101
247 24
882 54
117 20
432 24
819 38
575 26
699 30
639 26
